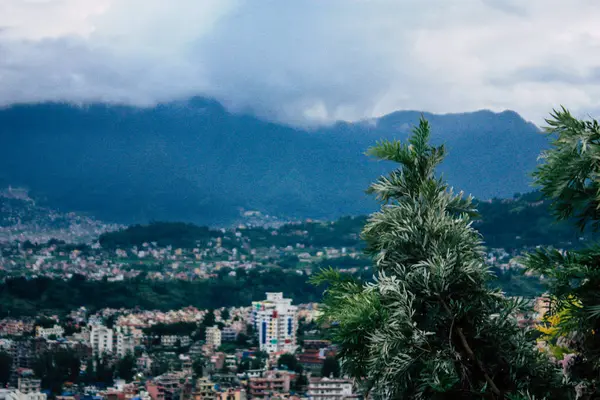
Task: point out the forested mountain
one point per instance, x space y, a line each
194 161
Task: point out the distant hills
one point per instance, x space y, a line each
21 219
194 161
513 224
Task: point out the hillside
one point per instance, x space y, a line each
514 223
21 218
193 161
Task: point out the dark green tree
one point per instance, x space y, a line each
105 371
331 367
90 372
225 314
125 368
209 319
5 367
198 366
570 178
289 362
430 326
57 367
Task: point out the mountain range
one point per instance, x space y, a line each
195 161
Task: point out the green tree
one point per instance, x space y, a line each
225 315
57 367
105 371
569 178
289 362
5 367
429 326
331 367
125 368
90 372
198 366
209 319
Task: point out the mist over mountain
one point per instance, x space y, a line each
195 161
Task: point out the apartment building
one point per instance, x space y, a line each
276 321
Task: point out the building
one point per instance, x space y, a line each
101 340
16 394
175 341
229 334
330 389
270 383
144 363
124 344
205 390
232 394
56 331
213 337
28 385
231 362
276 321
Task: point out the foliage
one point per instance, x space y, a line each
228 348
31 297
209 319
289 362
5 367
569 179
125 367
57 367
331 367
198 366
225 314
524 221
176 234
429 326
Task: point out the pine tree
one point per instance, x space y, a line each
429 326
569 178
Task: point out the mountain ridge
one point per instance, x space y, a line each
195 161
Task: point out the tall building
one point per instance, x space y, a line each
124 343
101 340
213 337
276 321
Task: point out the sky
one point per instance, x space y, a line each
306 61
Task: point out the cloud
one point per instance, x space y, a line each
305 61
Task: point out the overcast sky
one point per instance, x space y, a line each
306 60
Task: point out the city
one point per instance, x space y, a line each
269 349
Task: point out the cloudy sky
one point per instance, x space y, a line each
306 60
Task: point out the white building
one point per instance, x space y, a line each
276 321
56 331
16 394
213 337
229 334
330 389
101 340
124 344
175 340
29 385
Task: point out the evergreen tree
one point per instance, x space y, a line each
225 315
430 326
569 178
331 368
5 367
209 319
198 367
289 362
125 367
